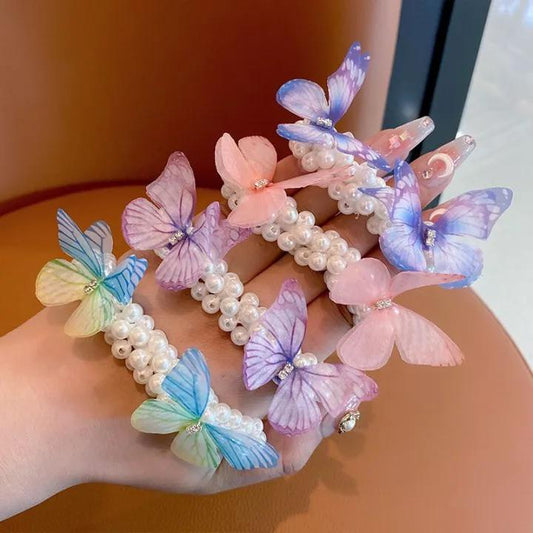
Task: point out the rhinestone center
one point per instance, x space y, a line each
261 184
90 287
429 239
348 421
383 304
193 428
285 371
324 122
176 237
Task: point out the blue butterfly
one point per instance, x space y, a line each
90 277
435 243
307 100
199 442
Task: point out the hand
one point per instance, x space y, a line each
66 404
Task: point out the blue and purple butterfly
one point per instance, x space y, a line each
436 241
307 100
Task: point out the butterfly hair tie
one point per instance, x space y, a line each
307 389
368 286
167 226
207 430
307 100
436 241
247 169
92 277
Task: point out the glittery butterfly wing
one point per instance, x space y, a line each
242 451
241 167
472 214
303 397
402 242
184 263
147 225
278 339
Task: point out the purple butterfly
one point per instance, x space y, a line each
307 100
167 226
306 388
435 243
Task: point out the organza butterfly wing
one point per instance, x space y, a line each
123 280
149 226
472 214
279 338
402 243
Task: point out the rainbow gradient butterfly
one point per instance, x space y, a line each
200 441
92 277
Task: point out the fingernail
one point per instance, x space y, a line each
397 143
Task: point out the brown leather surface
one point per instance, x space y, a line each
440 450
105 91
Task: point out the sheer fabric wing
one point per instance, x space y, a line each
260 154
255 209
124 279
305 133
349 145
421 342
158 416
304 98
279 339
384 194
232 165
76 245
346 81
93 315
242 451
99 234
189 382
197 448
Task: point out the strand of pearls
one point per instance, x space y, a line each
223 291
148 354
350 200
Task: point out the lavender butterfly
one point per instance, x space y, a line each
436 242
167 226
307 100
306 388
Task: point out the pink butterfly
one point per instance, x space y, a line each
249 169
167 226
306 388
369 344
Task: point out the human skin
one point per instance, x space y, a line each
65 404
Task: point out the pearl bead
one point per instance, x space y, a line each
213 398
270 232
108 337
226 191
146 321
230 276
214 283
288 215
247 424
161 363
128 365
222 413
373 225
256 230
302 256
233 201
262 437
248 313
338 247
121 349
234 288
138 359
325 158
227 323
290 201
331 234
351 192
335 190
198 291
286 242
309 162
250 298
305 359
221 267
211 304
346 208
235 418
352 255
320 242
172 351
139 336
120 329
258 426
343 159
302 234
299 149
336 264
239 336
365 205
142 376
317 261
154 382
158 342
132 313
306 218
229 306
